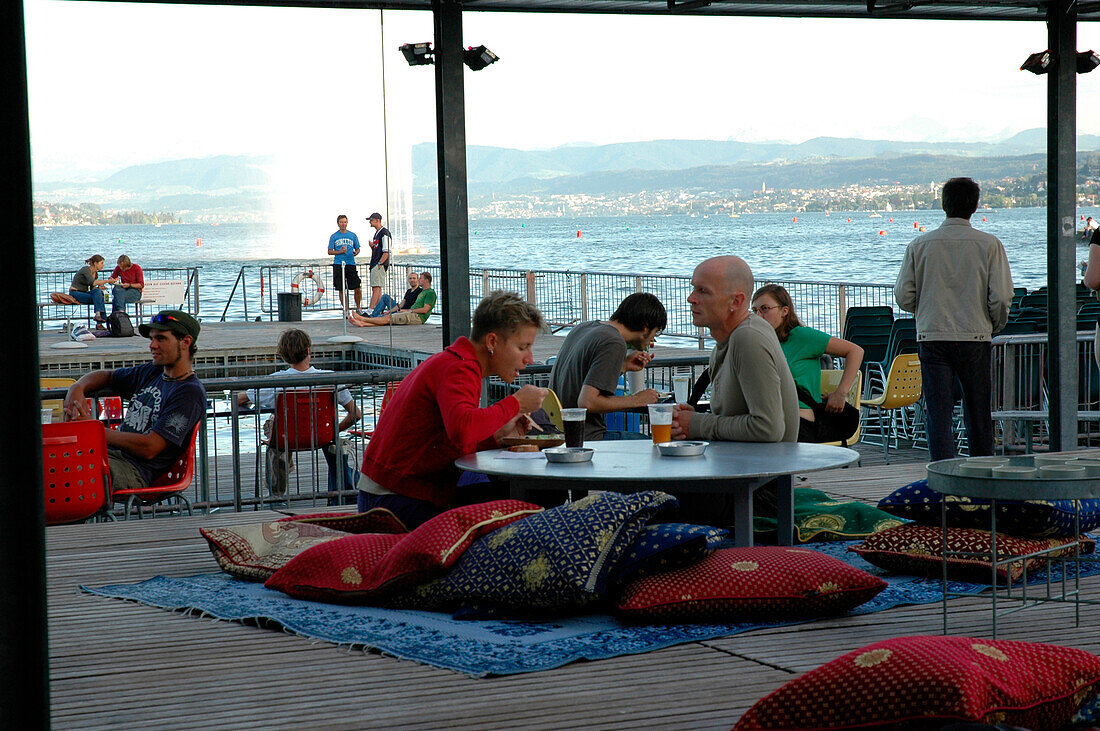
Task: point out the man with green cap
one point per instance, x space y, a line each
166 402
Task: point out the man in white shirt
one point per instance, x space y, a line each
294 348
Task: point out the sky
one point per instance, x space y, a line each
116 84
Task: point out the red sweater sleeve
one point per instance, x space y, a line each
467 425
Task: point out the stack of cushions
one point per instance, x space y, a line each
366 567
818 517
1028 518
918 549
559 559
255 552
747 584
928 682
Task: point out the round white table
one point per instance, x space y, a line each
736 469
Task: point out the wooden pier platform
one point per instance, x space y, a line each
123 665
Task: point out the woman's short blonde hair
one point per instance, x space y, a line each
504 313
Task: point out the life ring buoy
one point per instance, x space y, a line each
320 283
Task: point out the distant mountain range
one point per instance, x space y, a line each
241 187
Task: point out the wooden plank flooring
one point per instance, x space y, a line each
124 665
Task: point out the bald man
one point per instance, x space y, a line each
753 396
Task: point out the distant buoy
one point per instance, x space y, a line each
881 233
794 219
983 219
916 225
198 241
891 220
849 220
578 234
523 225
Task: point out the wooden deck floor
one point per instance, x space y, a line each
117 664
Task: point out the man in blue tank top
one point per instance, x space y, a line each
344 245
379 258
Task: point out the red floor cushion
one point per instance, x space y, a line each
928 681
918 550
359 568
740 584
375 520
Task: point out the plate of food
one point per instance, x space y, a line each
540 441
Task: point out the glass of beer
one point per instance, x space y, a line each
573 421
660 422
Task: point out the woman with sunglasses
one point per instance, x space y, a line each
803 347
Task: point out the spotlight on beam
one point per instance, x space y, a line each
478 57
418 54
1087 61
1038 63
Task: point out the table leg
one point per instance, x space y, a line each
784 493
742 518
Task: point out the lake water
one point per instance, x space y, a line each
840 247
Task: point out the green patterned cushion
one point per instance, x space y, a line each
558 559
818 517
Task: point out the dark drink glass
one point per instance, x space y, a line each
573 422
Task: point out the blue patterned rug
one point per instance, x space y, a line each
489 647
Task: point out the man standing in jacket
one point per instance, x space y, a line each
957 281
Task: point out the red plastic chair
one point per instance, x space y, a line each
75 474
110 411
305 418
171 484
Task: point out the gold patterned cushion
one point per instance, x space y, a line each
557 560
741 584
928 682
918 549
255 552
362 568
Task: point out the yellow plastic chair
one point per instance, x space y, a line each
903 388
56 405
830 379
552 406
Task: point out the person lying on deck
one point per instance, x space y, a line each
434 416
417 315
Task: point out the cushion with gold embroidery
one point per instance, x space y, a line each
931 681
375 520
818 517
918 550
559 559
666 546
740 584
360 568
1028 518
255 552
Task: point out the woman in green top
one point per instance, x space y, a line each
803 347
86 288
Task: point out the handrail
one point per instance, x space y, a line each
229 301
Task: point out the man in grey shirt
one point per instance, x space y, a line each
957 281
594 355
753 396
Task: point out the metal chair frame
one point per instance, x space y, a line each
902 388
171 484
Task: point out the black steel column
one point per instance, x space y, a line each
24 656
1061 224
450 125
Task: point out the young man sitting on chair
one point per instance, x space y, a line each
166 402
294 348
417 315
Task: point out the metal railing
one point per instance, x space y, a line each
47 282
230 450
564 297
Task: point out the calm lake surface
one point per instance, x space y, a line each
840 247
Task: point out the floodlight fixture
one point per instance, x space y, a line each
1087 61
478 57
418 54
1038 63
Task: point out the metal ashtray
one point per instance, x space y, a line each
682 449
568 454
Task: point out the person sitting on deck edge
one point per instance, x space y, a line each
167 400
388 305
594 355
417 315
434 416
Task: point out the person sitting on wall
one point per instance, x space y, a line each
128 281
87 288
416 315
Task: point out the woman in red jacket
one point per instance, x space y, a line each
434 416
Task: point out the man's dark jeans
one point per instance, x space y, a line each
941 361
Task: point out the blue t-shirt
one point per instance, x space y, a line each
169 408
340 239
